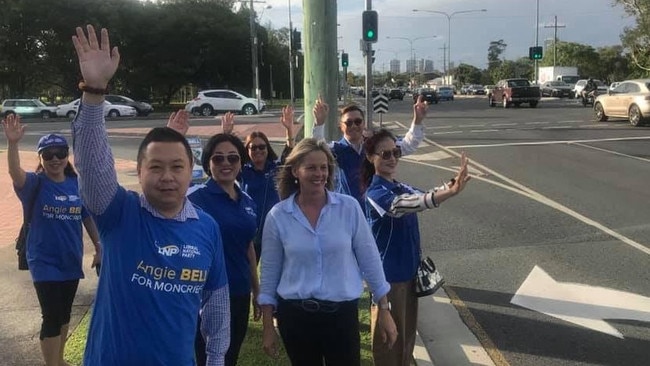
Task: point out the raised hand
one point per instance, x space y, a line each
179 121
287 118
228 123
14 130
420 110
97 61
320 111
462 176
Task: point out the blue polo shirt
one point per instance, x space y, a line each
237 223
349 160
398 239
54 242
260 186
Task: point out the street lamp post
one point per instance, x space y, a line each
410 41
449 16
291 76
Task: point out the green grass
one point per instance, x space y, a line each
251 353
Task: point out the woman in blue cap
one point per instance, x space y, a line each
55 241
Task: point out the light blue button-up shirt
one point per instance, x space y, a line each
328 262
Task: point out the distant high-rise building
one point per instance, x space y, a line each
410 66
394 67
428 66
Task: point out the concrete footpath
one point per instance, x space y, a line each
442 335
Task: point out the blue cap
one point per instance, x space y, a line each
51 140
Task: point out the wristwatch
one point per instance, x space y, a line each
384 306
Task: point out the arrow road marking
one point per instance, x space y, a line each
579 304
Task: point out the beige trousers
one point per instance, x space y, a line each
404 310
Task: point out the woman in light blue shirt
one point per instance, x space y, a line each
317 248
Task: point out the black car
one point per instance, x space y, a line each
142 108
429 95
395 94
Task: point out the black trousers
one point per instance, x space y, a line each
239 312
313 337
55 298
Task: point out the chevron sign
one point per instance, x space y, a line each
380 103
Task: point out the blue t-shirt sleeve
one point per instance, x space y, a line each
380 198
112 216
217 277
25 194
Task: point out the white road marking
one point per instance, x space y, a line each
537 123
483 131
527 192
613 152
432 156
504 124
447 132
558 142
579 304
439 127
480 125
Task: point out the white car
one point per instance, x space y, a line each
212 101
110 110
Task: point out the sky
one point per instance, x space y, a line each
594 22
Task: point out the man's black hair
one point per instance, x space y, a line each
163 134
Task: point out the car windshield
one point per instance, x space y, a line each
444 89
520 82
557 83
570 79
39 103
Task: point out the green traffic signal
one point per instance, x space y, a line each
369 22
370 34
344 60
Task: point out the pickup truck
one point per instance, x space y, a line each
510 92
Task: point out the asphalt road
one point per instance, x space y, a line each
553 192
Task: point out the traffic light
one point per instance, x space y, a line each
372 54
344 60
295 38
370 20
536 53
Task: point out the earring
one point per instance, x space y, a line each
295 181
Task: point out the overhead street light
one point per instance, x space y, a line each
449 16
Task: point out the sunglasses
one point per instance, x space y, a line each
356 122
219 159
49 154
386 154
261 147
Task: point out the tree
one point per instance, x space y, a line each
636 39
495 51
468 74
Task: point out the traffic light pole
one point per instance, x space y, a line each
291 67
369 82
321 63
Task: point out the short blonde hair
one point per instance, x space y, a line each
287 184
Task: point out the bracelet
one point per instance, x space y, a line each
290 138
87 89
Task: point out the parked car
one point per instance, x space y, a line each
395 94
580 84
613 85
27 108
464 89
488 89
556 89
510 92
630 99
476 89
110 110
142 108
208 102
430 95
445 93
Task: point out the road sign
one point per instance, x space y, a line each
587 306
380 103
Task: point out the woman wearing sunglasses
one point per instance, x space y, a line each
391 208
55 239
260 165
349 149
317 250
235 212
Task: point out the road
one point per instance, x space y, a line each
552 193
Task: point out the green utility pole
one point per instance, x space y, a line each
321 63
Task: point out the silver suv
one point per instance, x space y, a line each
213 101
27 108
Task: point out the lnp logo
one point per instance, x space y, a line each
250 211
168 250
61 198
73 198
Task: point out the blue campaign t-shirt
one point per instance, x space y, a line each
398 238
260 186
149 294
237 223
55 241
